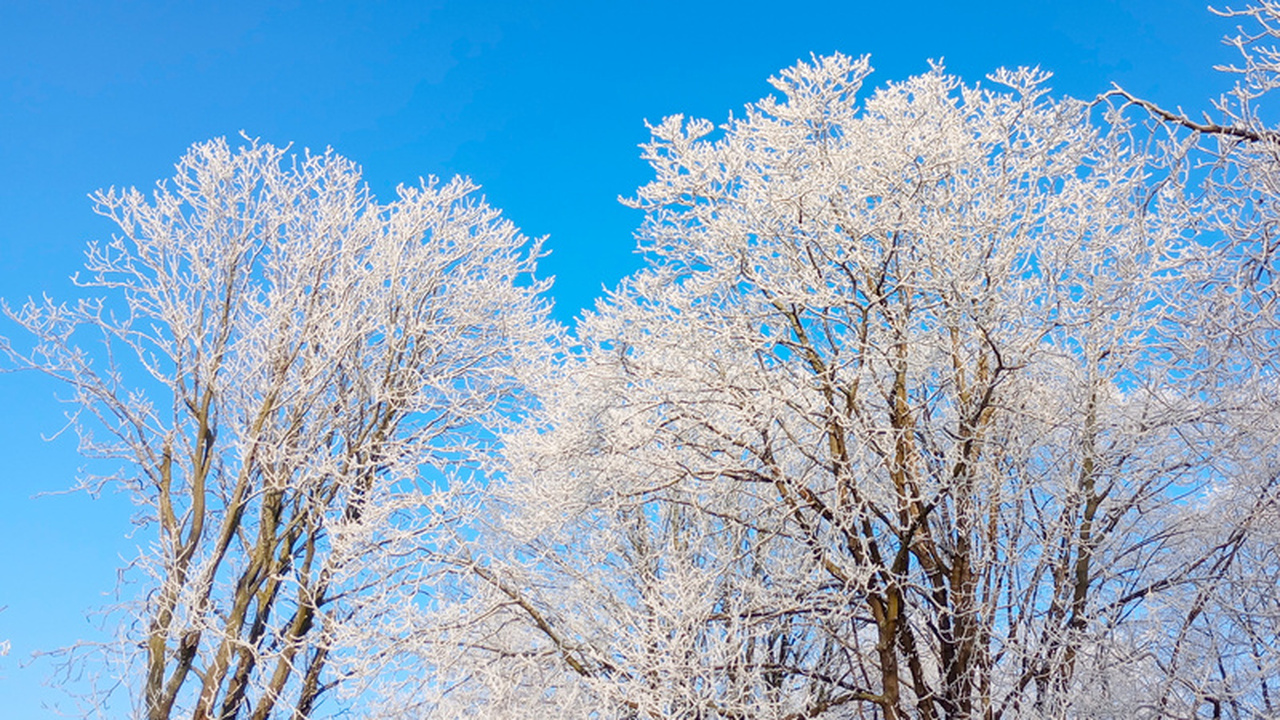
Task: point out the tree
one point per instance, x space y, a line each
918 411
949 401
293 380
1224 651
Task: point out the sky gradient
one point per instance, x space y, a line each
541 103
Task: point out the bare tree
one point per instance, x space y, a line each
942 401
917 412
292 380
1218 654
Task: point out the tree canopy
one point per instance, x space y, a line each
938 400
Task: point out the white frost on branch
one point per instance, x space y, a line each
913 414
294 381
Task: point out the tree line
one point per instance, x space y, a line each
937 400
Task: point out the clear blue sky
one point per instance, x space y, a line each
541 103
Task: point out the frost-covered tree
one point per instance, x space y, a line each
917 411
1221 653
290 379
938 401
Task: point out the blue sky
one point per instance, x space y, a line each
541 103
